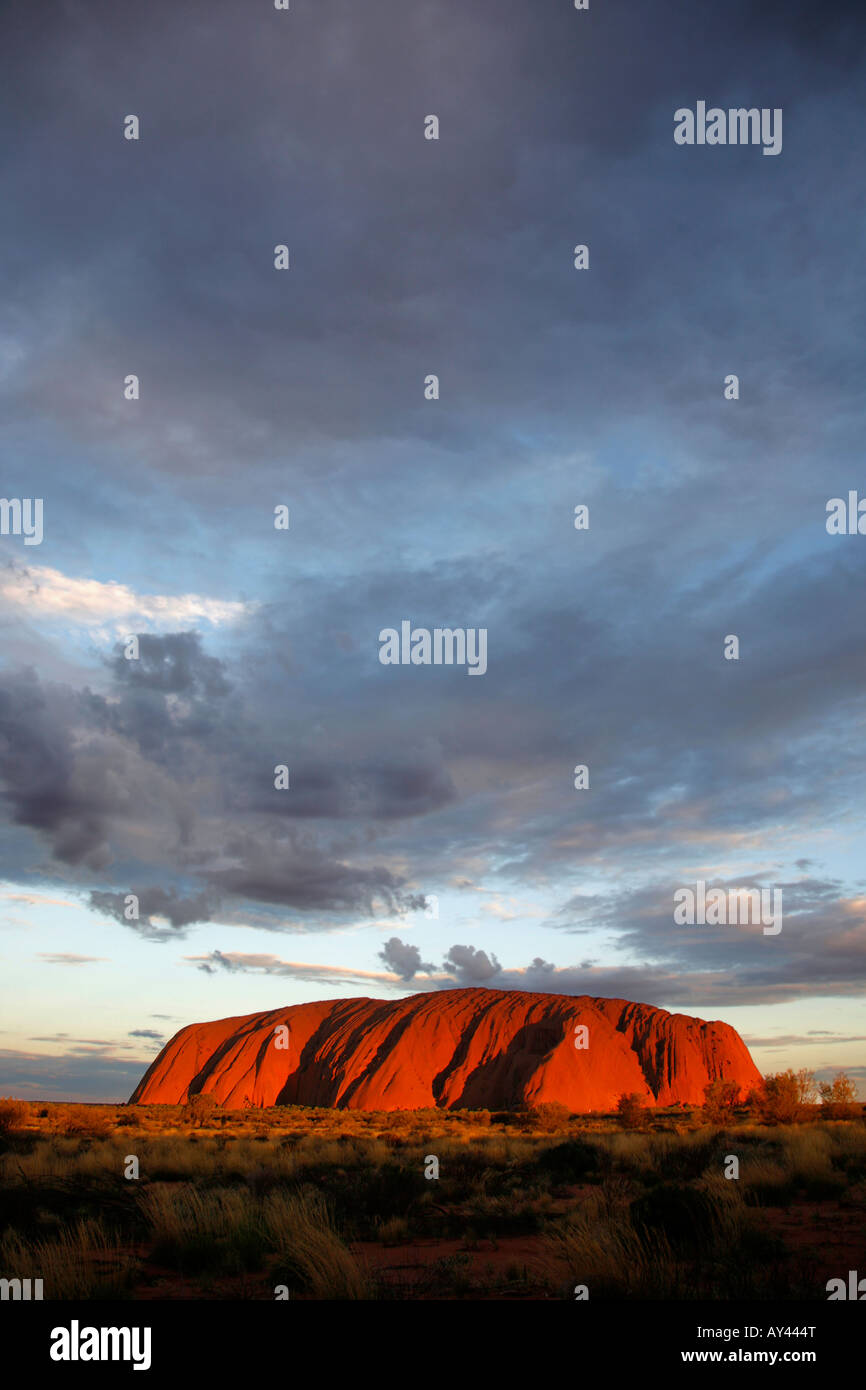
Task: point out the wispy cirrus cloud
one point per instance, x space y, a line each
251 963
69 958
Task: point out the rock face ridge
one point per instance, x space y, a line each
470 1048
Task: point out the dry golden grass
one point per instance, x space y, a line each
301 1227
178 1212
14 1114
610 1258
82 1261
254 1199
233 1228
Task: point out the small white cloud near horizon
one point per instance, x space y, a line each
49 593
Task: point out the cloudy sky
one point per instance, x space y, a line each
431 835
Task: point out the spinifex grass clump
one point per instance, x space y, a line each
673 1242
310 1252
83 1261
708 1216
230 1230
609 1257
219 1229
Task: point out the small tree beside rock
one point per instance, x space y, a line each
199 1109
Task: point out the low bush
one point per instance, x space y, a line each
13 1114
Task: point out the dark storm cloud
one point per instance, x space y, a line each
170 701
174 663
467 966
76 769
404 959
371 789
68 775
682 746
90 773
471 966
464 964
50 786
310 130
156 902
291 871
821 949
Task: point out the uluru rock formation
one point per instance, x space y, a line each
470 1048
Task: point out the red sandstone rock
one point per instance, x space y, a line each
475 1048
